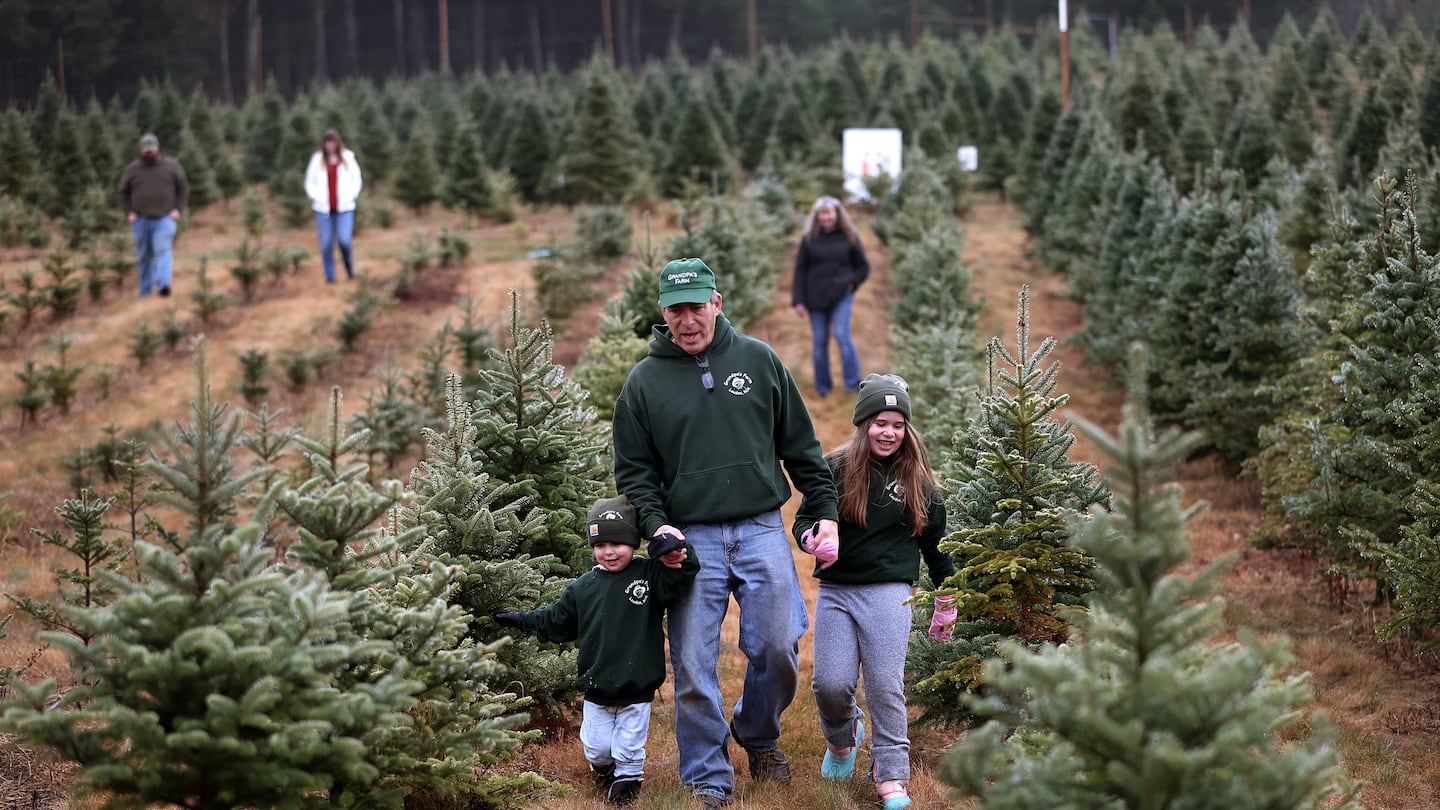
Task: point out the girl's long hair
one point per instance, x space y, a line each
911 468
842 220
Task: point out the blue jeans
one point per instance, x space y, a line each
336 228
821 324
154 237
751 559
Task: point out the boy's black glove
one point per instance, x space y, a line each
507 618
665 543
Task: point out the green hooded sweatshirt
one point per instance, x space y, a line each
687 454
619 620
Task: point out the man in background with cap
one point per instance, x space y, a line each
153 191
616 610
702 429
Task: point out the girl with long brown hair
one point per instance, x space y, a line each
891 515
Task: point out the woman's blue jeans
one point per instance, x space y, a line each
337 228
822 323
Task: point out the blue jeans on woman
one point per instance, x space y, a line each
154 238
822 323
336 228
751 559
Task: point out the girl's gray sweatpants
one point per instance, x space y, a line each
864 628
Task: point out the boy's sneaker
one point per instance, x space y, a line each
768 763
625 790
604 776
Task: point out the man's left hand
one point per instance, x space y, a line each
175 214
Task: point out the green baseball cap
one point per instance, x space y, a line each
686 281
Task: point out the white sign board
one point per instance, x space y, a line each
869 153
969 158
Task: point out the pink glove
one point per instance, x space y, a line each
826 551
943 622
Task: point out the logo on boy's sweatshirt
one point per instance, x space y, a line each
638 591
739 383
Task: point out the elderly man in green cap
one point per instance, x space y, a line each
702 429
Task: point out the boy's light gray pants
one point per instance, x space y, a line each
864 628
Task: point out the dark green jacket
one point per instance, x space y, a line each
619 620
884 551
684 454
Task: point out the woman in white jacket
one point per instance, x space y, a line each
332 182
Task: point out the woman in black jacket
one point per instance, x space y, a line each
830 266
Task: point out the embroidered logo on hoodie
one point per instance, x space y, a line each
739 383
638 591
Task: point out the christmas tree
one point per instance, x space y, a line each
470 520
1015 492
535 430
603 159
417 178
1144 706
467 185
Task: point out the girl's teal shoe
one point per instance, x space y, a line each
895 795
841 768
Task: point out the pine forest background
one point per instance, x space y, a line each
1217 264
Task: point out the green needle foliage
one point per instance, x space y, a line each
1144 707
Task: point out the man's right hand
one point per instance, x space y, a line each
130 217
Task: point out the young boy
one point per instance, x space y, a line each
616 610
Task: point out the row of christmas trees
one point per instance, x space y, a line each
1285 298
1086 665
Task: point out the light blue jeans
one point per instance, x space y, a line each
337 228
749 558
822 323
154 238
616 734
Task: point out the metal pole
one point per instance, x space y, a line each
914 22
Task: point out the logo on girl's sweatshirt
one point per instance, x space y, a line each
638 591
896 491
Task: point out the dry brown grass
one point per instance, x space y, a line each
1381 698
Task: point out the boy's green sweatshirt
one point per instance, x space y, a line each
685 454
885 550
619 620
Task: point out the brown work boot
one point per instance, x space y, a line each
767 763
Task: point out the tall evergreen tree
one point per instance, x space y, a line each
264 133
470 520
530 153
698 153
45 115
1144 707
603 157
416 181
467 181
535 430
68 166
1371 432
1016 499
19 157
